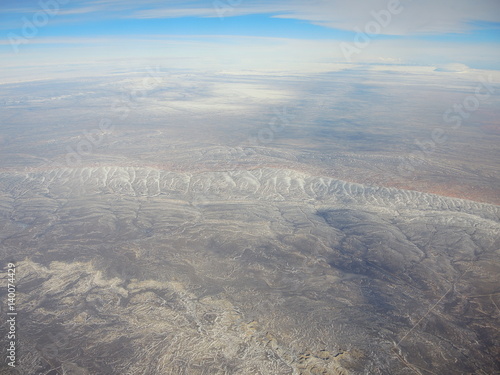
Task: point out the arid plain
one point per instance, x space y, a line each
171 222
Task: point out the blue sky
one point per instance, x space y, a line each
308 32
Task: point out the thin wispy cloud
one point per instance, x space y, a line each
174 13
414 17
83 10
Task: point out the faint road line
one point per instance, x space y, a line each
409 365
433 306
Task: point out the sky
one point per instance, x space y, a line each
274 35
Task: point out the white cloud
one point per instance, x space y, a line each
83 10
453 68
174 13
416 16
252 53
413 17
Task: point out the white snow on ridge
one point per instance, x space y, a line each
261 184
